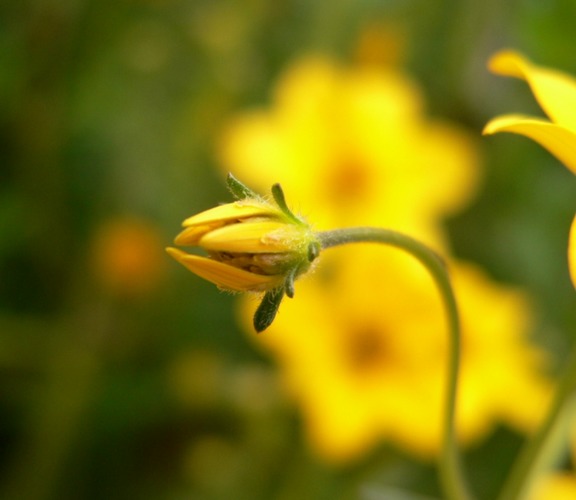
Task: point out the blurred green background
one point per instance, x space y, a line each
118 383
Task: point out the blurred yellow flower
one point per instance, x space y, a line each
354 145
556 93
560 484
363 349
556 487
365 357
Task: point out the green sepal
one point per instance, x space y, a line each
266 312
239 190
314 249
280 199
289 281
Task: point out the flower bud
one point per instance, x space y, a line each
251 245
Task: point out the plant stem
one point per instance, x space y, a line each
542 449
450 466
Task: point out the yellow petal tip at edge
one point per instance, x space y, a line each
508 63
558 140
506 123
554 90
172 251
191 235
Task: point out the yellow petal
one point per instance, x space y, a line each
254 237
192 234
560 141
223 275
554 90
572 252
232 211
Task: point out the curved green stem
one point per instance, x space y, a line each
450 467
540 452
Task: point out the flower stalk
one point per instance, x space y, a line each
453 482
541 451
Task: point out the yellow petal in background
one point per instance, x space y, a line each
557 486
555 91
572 252
560 141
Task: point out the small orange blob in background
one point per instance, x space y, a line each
128 257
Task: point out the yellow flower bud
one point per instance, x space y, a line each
251 245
